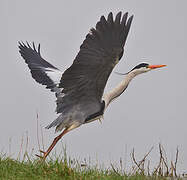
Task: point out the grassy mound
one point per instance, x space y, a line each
13 169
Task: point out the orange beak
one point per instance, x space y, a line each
155 66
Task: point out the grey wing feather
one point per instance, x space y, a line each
84 81
42 71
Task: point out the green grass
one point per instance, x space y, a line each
63 167
60 169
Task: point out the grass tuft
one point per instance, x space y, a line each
63 169
27 167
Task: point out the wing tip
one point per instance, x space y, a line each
23 46
129 22
110 18
120 19
110 29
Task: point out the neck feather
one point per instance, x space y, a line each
118 90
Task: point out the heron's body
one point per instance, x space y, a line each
79 90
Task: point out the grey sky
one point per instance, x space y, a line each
153 108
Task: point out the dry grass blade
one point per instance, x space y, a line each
116 171
176 160
174 166
26 147
42 136
163 168
38 139
148 169
134 160
162 163
21 147
141 164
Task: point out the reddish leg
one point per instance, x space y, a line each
45 154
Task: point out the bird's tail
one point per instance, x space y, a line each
59 123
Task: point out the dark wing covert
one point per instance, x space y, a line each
84 81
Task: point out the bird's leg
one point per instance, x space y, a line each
45 154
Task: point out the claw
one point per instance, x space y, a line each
42 157
39 156
42 152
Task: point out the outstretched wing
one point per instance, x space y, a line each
42 71
84 81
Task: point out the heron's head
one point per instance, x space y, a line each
144 67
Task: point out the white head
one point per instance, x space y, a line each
143 67
118 90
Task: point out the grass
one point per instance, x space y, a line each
65 168
28 168
58 169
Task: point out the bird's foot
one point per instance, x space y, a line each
44 155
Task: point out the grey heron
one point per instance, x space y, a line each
79 89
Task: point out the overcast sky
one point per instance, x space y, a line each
152 109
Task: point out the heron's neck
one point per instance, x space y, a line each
118 90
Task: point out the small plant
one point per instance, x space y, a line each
163 169
66 168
